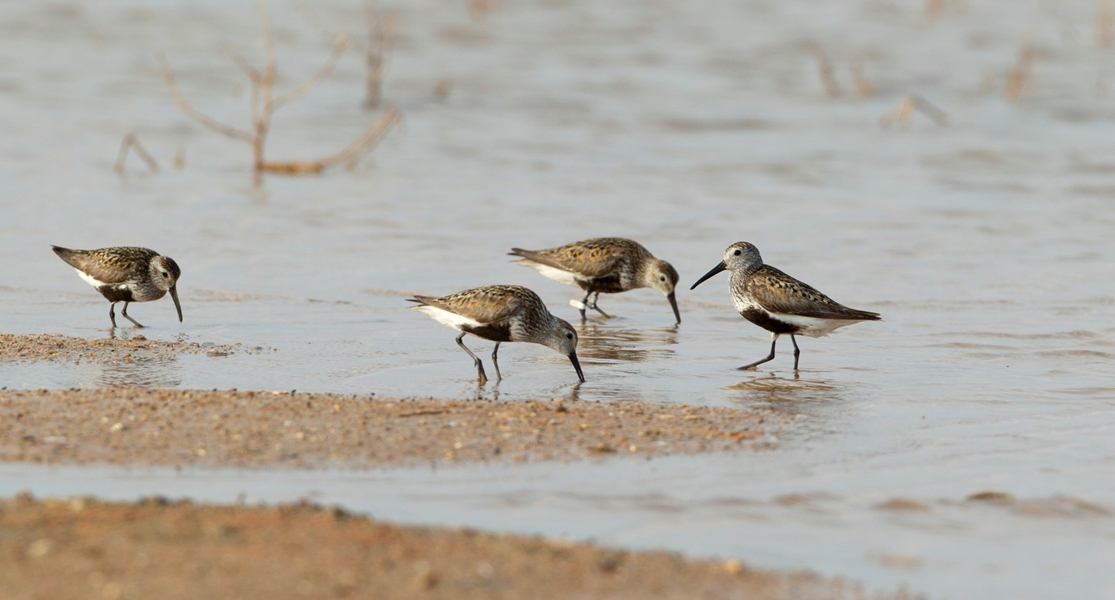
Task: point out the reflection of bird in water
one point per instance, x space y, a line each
603 265
141 371
626 345
779 303
779 386
501 313
818 398
126 274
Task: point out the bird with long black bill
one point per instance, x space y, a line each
779 303
501 313
126 274
603 266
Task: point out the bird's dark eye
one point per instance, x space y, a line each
569 336
661 278
165 274
737 252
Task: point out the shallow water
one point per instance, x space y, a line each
986 244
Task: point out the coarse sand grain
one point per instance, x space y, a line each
246 429
83 548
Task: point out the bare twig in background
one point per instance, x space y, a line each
381 39
130 141
442 89
382 30
356 151
350 155
195 114
300 91
1105 17
480 8
824 69
263 105
934 9
1020 74
863 86
904 112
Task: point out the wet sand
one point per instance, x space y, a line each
159 549
134 347
83 548
133 426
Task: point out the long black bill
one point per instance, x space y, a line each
674 305
174 295
576 365
718 268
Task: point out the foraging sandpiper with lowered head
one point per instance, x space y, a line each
603 265
779 303
501 313
126 274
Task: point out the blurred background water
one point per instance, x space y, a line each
986 243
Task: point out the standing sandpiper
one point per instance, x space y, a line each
501 313
779 303
603 265
126 274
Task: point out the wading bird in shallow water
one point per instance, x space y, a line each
126 274
501 313
779 303
603 265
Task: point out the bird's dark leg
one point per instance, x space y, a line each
125 313
597 308
112 314
584 305
773 342
494 351
479 365
797 351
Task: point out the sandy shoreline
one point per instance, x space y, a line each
134 426
83 548
133 347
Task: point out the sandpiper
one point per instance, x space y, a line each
603 265
501 313
779 303
126 274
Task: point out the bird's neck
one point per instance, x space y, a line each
745 272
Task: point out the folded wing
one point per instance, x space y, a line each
585 261
104 267
483 306
779 293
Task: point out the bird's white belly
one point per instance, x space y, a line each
549 272
449 319
90 280
812 326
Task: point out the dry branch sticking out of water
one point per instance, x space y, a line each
1105 17
863 84
825 70
81 547
934 9
263 104
903 114
132 426
382 32
131 142
1019 76
66 348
